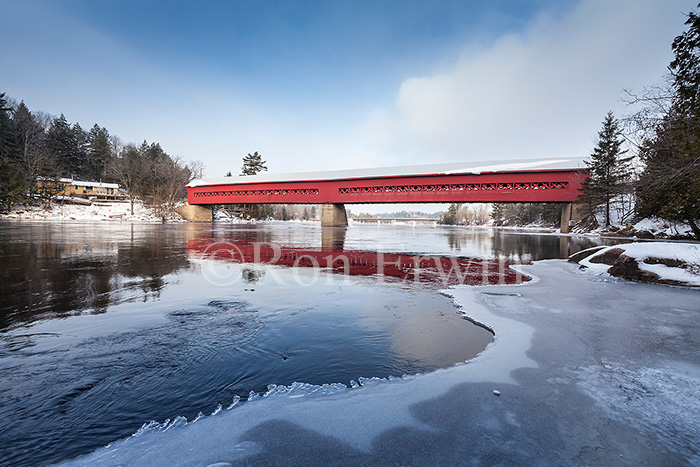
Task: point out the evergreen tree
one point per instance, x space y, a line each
450 216
610 171
669 186
498 211
7 131
253 164
78 159
100 153
69 145
266 211
12 185
60 144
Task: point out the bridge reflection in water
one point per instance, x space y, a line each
333 258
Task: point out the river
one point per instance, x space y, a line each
107 326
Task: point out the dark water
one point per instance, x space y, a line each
107 326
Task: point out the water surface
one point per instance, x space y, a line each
107 326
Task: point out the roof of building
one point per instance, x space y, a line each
523 165
92 184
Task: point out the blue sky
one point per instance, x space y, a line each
320 85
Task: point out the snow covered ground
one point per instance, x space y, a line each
663 228
98 211
584 370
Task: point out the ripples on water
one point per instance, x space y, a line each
104 327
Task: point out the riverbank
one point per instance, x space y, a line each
646 229
584 369
97 211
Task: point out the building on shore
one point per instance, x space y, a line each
84 189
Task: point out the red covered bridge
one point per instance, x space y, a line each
518 181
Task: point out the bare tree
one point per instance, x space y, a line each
172 176
129 169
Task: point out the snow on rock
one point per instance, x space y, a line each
661 262
97 211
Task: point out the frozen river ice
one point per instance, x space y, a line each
584 370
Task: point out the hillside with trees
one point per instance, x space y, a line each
35 146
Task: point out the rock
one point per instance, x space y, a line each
627 268
609 257
627 231
644 234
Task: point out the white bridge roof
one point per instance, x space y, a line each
523 165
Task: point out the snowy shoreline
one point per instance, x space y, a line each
97 211
646 229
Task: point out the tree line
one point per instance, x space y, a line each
36 147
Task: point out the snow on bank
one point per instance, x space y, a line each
559 385
98 211
661 228
674 262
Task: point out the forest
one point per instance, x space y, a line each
36 147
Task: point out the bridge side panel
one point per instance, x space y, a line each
557 186
259 193
523 187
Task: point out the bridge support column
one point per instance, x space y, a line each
570 216
195 213
333 215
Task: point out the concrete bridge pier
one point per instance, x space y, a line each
333 215
570 216
195 213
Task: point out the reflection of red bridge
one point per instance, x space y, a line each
547 180
438 270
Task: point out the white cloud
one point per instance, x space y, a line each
541 93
